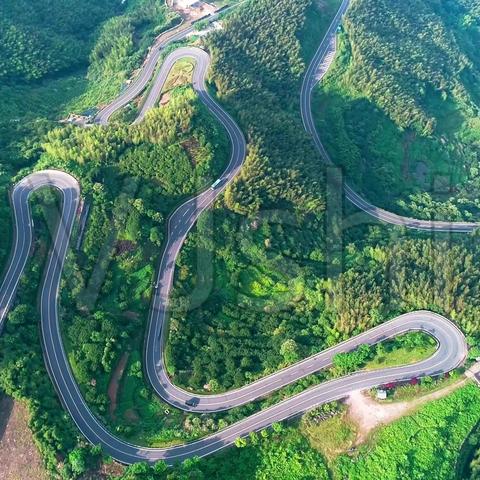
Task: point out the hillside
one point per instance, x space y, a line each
256 69
260 282
36 89
399 108
45 37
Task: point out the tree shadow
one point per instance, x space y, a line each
6 407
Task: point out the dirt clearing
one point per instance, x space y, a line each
369 414
19 458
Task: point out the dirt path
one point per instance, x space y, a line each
19 458
368 414
115 383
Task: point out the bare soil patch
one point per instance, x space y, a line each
115 383
131 315
369 414
124 246
165 98
19 458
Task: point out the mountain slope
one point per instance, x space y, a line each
47 36
399 109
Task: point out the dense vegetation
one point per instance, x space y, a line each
474 466
118 46
413 447
131 178
121 47
280 188
22 370
272 271
46 37
274 454
399 110
39 39
256 69
408 348
257 285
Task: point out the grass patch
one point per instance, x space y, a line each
332 436
423 445
401 355
181 74
402 350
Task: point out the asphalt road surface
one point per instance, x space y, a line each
311 79
451 342
141 81
450 352
148 69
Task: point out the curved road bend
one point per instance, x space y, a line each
309 82
450 353
23 228
140 82
148 69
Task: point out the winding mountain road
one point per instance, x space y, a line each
451 342
311 79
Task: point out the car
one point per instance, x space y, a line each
216 184
192 402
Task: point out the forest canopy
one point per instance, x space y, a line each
47 36
399 109
274 296
256 68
